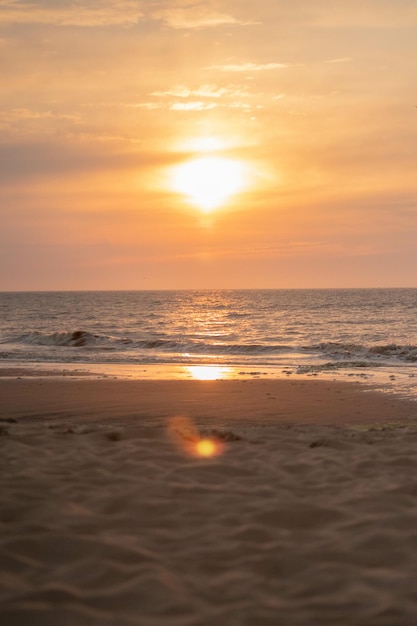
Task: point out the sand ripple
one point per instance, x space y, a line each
292 525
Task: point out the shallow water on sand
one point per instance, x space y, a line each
343 333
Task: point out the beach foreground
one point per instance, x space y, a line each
111 514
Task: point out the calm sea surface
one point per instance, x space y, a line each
361 333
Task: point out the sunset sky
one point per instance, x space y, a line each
157 144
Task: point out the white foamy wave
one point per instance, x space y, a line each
405 353
82 339
344 351
338 352
337 365
207 348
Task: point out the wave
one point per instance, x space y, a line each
337 365
85 339
351 350
132 348
75 339
408 353
237 316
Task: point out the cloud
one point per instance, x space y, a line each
25 122
29 160
198 105
248 67
205 91
148 106
341 60
14 115
192 106
33 160
213 95
177 14
83 13
196 15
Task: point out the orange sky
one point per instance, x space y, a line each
184 144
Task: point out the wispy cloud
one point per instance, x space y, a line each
28 114
190 15
201 98
248 67
83 13
205 91
33 159
149 106
24 122
341 60
192 106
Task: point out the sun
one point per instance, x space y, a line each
208 182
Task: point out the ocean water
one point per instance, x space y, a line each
365 333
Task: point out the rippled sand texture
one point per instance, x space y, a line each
291 525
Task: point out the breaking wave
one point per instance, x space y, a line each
354 355
85 339
337 365
75 339
353 351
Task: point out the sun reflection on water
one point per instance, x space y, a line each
209 372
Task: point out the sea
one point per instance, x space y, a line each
368 335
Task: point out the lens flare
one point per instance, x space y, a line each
187 438
206 447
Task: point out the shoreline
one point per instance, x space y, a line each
249 400
398 382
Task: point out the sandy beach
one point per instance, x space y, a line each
298 509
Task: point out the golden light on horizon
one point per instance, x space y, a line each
209 182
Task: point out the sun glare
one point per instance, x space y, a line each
208 372
208 182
